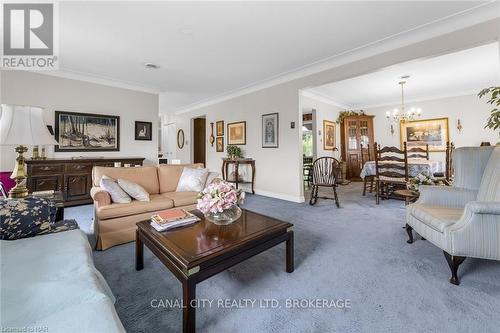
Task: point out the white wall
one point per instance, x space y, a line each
471 111
324 111
273 178
55 93
279 170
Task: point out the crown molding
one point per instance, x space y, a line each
312 94
98 79
479 14
421 99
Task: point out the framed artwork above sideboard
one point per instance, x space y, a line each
79 132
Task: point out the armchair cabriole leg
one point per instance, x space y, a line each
410 234
454 262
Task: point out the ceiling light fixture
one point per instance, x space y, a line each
150 65
402 114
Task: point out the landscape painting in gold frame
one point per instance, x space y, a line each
419 133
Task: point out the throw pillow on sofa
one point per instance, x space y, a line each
118 195
136 191
28 217
192 180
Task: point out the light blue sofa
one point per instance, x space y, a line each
50 283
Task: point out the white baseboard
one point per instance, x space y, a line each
298 199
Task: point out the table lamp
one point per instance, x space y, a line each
22 126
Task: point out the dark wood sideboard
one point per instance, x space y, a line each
73 177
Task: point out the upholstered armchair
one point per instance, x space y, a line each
463 220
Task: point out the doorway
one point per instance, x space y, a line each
199 139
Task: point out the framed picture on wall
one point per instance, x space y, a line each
219 144
143 130
270 130
78 132
219 128
328 135
237 133
419 133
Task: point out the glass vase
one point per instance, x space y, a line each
225 217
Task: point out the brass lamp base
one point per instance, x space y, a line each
19 175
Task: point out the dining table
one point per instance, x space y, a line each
415 167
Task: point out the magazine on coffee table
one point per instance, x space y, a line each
172 218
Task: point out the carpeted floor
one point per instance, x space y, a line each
356 253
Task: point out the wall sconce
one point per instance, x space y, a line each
459 126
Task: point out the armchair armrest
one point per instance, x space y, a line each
446 196
476 233
100 196
483 207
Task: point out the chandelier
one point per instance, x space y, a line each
402 114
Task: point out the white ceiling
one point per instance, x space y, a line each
205 49
453 74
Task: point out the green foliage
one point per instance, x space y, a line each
494 118
307 143
349 113
233 151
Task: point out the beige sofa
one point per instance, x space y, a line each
114 223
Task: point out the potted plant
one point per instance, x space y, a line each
233 152
349 113
493 121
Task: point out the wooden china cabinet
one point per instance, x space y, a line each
356 130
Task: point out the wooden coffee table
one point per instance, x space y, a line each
199 251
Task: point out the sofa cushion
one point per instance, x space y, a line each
136 191
436 217
26 217
157 202
181 198
169 175
50 281
118 195
192 180
146 176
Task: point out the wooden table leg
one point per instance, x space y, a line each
236 166
139 252
289 252
188 311
253 175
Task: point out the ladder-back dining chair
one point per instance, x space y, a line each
325 171
447 175
366 155
391 165
417 152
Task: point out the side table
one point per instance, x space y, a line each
237 162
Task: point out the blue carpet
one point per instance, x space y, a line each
358 252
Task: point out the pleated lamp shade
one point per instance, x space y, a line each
24 125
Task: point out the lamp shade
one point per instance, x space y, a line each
24 125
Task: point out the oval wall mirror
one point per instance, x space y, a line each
180 139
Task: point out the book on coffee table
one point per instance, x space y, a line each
172 218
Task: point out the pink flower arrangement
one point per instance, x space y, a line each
219 196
